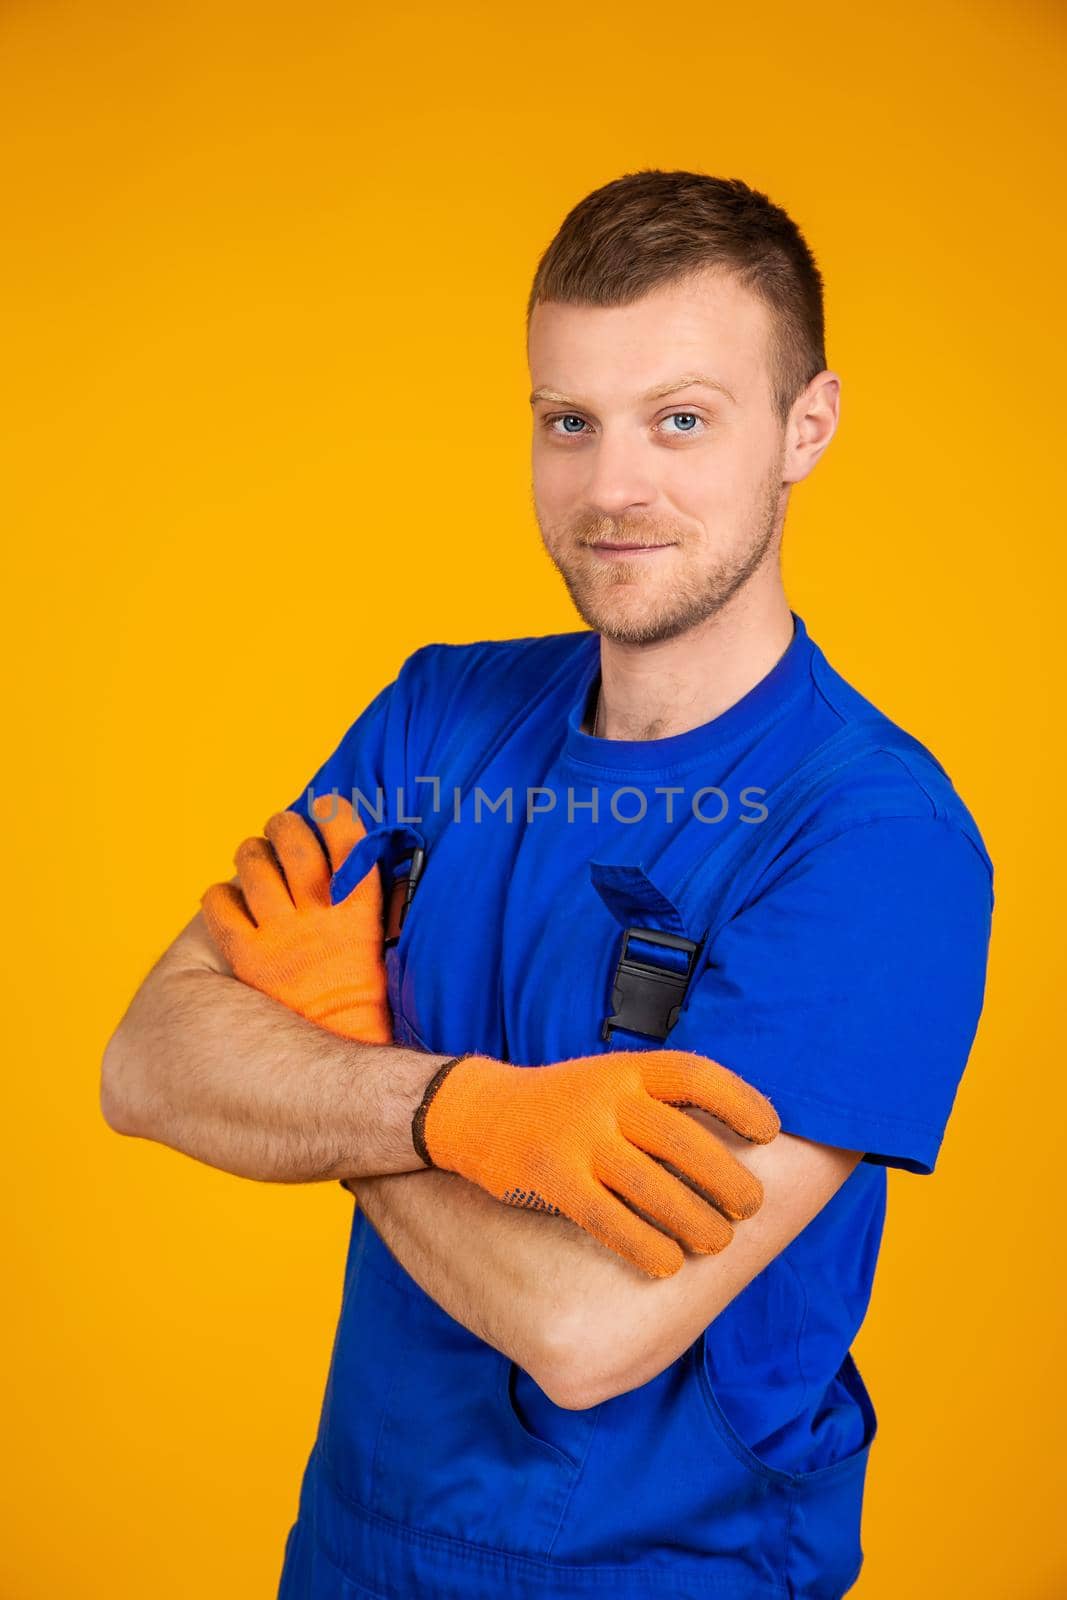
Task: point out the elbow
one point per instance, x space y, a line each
568 1398
596 1364
573 1390
116 1106
578 1388
573 1379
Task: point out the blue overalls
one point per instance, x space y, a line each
440 1468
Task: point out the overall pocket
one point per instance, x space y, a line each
765 1470
421 1424
562 1436
662 1489
823 1554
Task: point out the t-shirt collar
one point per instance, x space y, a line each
763 703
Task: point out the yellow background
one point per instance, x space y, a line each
265 432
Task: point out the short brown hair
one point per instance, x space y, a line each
651 227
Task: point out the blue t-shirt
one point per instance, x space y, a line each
847 986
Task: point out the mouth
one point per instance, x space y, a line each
626 549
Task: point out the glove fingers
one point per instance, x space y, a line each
339 825
680 1077
227 919
604 1216
665 1199
262 881
695 1151
307 872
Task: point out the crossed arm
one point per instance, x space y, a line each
604 1327
209 1066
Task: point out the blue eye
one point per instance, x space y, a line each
568 417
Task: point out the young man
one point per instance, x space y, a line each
653 891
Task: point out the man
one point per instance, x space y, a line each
580 1348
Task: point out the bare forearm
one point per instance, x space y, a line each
580 1319
229 1076
523 1281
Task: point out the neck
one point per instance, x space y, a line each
653 691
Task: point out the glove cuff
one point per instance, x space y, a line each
418 1121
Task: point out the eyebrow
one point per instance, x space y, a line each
690 380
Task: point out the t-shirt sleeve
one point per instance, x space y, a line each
849 991
357 769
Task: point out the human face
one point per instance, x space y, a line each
689 483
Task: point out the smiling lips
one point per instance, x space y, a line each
627 549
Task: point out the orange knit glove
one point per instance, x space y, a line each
281 934
561 1138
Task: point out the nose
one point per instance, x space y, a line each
619 480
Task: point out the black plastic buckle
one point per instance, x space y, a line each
401 895
646 998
